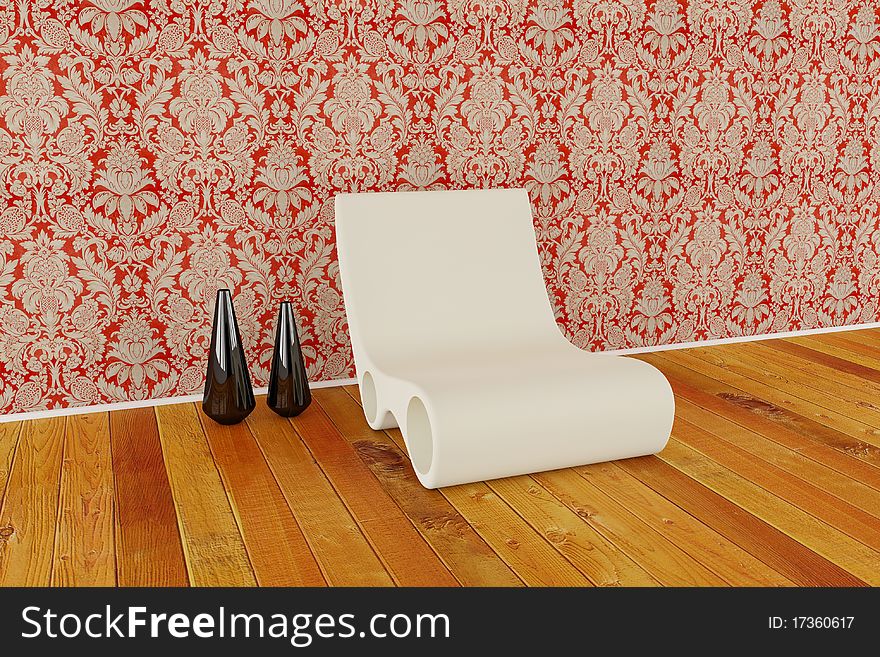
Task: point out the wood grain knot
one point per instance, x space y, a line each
6 532
383 458
557 535
513 543
446 521
758 406
585 513
861 449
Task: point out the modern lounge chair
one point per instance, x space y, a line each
455 342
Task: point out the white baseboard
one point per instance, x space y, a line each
744 338
141 403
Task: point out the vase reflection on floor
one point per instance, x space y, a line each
289 393
229 395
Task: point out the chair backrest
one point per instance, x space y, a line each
447 270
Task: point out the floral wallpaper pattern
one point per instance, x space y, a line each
697 168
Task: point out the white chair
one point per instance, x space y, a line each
455 341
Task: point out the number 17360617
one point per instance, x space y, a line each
811 622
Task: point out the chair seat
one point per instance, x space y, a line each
455 341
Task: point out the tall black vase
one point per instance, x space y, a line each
229 395
289 393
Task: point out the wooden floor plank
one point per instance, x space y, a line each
344 554
843 345
405 554
30 507
530 556
796 459
85 549
870 333
770 400
834 511
836 546
463 551
618 565
757 414
354 392
790 381
821 414
693 402
214 550
829 344
276 547
842 385
9 432
589 551
658 556
517 542
725 558
772 477
827 360
585 548
866 337
772 546
149 551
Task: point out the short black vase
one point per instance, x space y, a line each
229 395
289 393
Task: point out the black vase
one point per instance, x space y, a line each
289 393
229 395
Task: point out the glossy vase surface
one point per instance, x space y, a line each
229 395
289 393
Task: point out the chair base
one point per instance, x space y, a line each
607 408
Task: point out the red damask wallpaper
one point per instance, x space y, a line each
698 169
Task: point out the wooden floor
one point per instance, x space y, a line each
772 477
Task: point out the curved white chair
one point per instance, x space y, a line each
455 341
